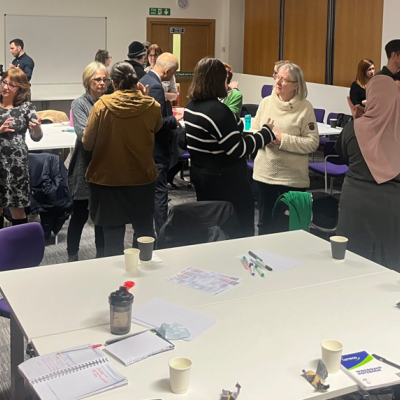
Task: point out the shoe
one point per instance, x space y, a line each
73 257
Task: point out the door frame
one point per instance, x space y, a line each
186 21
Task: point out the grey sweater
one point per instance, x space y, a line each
78 187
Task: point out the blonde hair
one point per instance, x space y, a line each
296 75
90 70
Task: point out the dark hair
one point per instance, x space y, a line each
208 80
102 56
229 71
18 43
18 78
123 75
396 76
392 46
156 48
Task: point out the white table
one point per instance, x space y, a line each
73 296
264 342
54 137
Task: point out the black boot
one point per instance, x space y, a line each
19 221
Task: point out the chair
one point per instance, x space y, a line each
336 168
319 114
249 109
193 223
185 159
21 246
331 116
266 90
52 116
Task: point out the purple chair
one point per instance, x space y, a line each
185 157
266 90
319 114
21 246
250 164
334 169
322 139
331 116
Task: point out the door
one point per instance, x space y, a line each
189 40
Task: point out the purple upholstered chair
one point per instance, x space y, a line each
266 90
21 246
331 116
323 140
319 114
333 169
185 157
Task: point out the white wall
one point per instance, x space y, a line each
236 34
391 25
330 98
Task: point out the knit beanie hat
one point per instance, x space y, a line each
136 50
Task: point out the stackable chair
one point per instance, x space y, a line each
199 222
21 246
249 109
52 116
185 158
266 90
319 114
334 168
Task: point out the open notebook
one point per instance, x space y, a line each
139 346
70 375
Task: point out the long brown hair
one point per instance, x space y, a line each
362 69
18 78
156 48
208 80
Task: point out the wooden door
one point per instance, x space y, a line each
358 35
304 39
197 42
261 36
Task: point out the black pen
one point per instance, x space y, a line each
260 259
111 341
379 358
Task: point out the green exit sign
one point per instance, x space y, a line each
160 11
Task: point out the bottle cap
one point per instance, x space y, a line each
121 297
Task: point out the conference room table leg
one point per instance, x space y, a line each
17 357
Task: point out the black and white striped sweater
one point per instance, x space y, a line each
215 137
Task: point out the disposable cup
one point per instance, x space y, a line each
333 123
338 247
179 373
331 354
131 259
146 245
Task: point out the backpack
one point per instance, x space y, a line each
343 119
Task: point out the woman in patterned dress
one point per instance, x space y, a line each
17 115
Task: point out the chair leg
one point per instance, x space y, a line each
56 240
331 186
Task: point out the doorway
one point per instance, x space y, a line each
189 40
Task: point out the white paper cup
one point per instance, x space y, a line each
331 354
179 373
131 259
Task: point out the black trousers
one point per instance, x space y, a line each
78 220
267 196
230 185
114 235
161 196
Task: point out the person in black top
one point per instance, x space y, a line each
392 50
217 145
21 60
137 54
365 71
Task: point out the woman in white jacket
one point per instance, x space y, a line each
282 165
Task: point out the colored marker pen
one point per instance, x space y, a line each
252 269
258 269
244 262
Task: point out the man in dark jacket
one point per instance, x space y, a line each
165 68
137 55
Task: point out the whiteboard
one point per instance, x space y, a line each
60 46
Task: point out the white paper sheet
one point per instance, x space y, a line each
206 281
157 311
277 262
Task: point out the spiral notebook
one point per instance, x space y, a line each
71 374
138 347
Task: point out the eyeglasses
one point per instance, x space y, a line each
10 85
152 55
105 80
283 80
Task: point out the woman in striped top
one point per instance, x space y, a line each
217 145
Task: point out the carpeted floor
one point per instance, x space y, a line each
55 254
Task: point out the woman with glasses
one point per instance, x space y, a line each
122 173
171 92
95 80
282 165
17 115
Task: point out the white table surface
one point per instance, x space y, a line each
53 138
264 342
66 297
